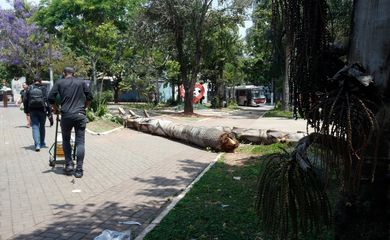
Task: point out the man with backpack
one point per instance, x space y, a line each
75 96
36 105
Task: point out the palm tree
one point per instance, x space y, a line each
350 114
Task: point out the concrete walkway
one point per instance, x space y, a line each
128 176
244 118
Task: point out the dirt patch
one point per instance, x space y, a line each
240 159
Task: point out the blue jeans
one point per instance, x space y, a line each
38 120
78 122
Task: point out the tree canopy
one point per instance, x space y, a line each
22 42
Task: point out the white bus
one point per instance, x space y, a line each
248 95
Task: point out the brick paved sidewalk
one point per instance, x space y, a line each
128 176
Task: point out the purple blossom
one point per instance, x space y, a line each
19 5
22 43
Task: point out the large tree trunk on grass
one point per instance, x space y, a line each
366 215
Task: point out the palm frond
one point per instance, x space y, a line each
291 198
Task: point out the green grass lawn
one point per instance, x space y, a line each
261 149
221 205
279 113
218 206
102 125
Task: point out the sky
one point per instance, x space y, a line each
4 4
248 24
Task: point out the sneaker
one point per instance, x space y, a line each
69 169
37 149
78 173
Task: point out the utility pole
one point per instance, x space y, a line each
50 62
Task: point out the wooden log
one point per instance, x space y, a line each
219 138
200 136
265 136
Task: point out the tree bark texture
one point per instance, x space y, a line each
94 79
200 136
286 84
188 96
366 215
263 136
219 138
370 42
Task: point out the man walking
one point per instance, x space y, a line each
5 89
20 103
75 97
36 105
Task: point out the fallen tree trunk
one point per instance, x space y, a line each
263 136
200 136
219 138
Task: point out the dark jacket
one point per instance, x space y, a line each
74 93
26 99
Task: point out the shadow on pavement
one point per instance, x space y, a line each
22 127
31 147
56 170
88 220
165 188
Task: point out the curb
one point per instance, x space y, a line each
103 133
161 216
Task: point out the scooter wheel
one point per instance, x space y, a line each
52 163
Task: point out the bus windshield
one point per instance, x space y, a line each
257 93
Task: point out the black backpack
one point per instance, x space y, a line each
36 99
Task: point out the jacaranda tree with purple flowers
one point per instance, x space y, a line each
22 42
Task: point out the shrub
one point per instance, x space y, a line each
90 115
232 104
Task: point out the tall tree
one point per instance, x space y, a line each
222 53
90 28
349 113
22 42
184 21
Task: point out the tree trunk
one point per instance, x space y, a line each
116 95
286 86
173 92
116 89
188 96
94 79
370 39
366 215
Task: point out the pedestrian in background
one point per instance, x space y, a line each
75 96
5 89
23 94
36 106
